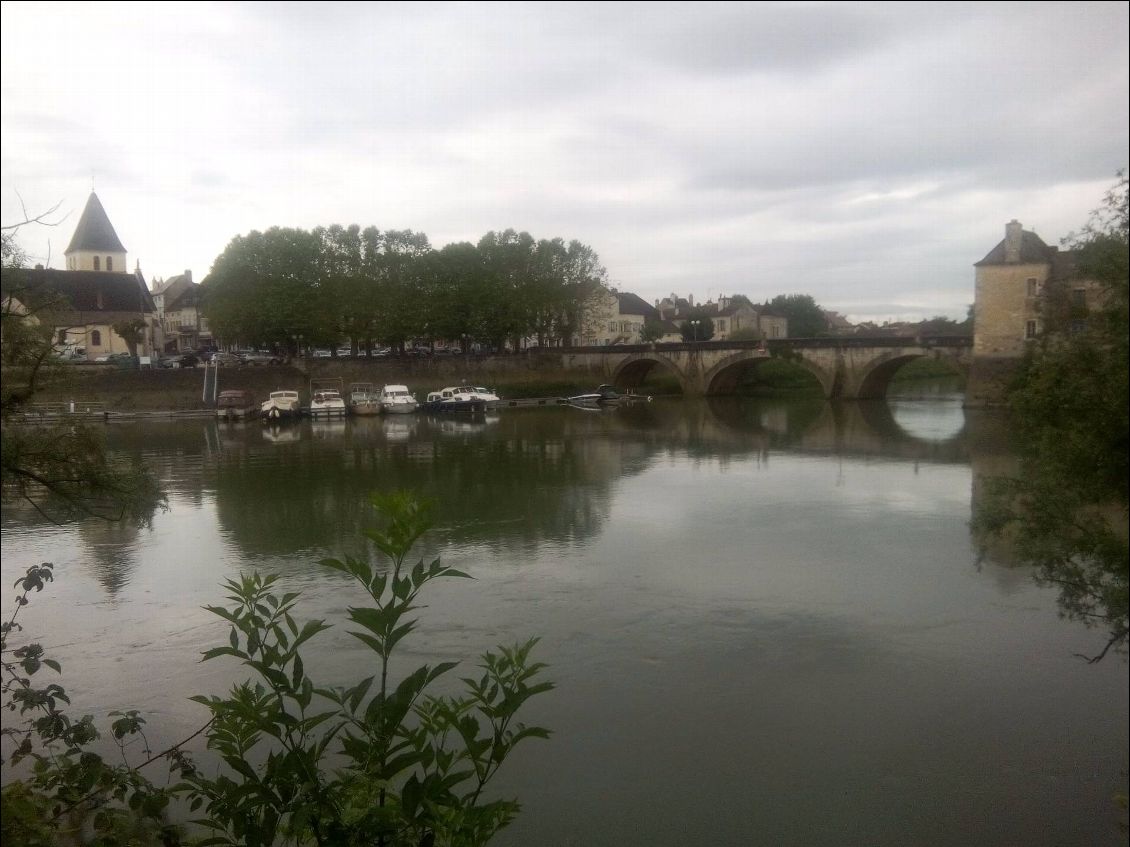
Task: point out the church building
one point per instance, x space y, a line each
94 293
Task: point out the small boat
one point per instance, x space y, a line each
280 406
236 405
455 399
396 400
326 400
486 395
605 395
364 399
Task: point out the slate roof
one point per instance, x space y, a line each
633 304
186 299
121 292
1033 250
94 230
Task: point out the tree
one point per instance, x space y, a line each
652 331
806 319
697 326
1067 507
63 470
132 332
270 288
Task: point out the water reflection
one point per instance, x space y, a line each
716 583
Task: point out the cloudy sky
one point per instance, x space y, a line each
866 154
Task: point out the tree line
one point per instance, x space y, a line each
292 288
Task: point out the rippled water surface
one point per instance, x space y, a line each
766 620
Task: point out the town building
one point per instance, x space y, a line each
730 315
183 324
615 317
1023 288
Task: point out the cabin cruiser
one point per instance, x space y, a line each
364 399
396 400
281 405
486 395
455 399
236 405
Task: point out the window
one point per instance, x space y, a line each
97 263
109 263
1079 297
721 326
1033 286
1030 329
95 338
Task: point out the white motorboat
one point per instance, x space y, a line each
326 400
455 399
281 405
486 395
397 400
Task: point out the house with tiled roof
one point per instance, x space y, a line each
615 317
178 302
731 314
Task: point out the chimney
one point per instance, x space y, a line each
1013 235
188 275
690 300
723 301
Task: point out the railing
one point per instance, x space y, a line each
70 407
853 341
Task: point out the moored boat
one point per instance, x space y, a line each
326 400
397 400
280 406
364 399
236 405
454 399
605 395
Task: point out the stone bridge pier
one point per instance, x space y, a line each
846 368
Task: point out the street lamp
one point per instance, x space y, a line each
694 329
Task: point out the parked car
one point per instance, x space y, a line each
113 357
261 359
178 360
226 360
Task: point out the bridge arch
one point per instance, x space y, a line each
634 369
723 377
876 377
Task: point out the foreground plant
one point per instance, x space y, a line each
381 762
70 793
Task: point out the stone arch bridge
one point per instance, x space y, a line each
847 368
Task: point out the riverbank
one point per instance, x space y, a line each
512 377
181 390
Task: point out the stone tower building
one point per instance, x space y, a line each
95 246
1024 288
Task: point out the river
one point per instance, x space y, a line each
766 619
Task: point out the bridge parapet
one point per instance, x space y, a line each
847 368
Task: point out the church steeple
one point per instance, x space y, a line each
95 246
